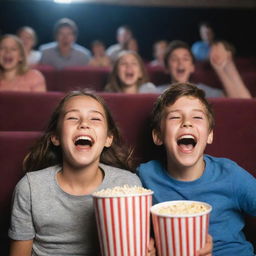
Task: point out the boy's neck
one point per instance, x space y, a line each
186 173
80 181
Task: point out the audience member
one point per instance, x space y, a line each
99 58
64 52
80 153
129 75
29 39
202 48
159 49
182 123
132 45
179 62
14 72
221 58
124 33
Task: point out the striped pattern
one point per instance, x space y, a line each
123 224
180 236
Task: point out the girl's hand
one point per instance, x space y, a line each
151 248
207 250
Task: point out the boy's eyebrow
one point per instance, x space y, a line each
178 110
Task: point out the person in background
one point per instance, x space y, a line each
123 34
182 123
15 74
159 49
99 58
29 39
64 52
180 64
79 153
201 49
129 75
132 45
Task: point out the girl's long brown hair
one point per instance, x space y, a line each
115 84
45 154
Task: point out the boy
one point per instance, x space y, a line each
182 121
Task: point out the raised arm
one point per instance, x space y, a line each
223 64
21 248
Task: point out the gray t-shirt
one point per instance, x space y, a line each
210 92
79 56
59 223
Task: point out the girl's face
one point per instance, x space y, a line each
10 55
129 70
83 132
27 38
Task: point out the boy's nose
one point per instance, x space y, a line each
84 124
186 124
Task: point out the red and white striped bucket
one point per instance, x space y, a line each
180 235
123 224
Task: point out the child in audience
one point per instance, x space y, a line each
132 45
99 58
29 39
14 72
79 153
159 50
182 122
129 75
180 64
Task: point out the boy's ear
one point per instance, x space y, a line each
109 141
157 138
210 137
55 140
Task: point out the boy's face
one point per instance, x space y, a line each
180 65
184 132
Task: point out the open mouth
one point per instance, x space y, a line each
84 141
129 75
187 142
180 71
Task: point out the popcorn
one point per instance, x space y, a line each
183 208
122 191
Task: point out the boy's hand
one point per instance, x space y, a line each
207 250
151 248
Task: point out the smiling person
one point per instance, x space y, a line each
14 72
80 152
129 75
182 122
64 52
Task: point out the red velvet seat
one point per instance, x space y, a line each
14 147
158 76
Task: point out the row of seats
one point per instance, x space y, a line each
96 78
25 115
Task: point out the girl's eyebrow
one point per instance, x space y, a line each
78 111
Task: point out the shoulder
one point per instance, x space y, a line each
147 88
48 46
120 175
79 48
34 75
149 168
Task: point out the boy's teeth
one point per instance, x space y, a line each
186 137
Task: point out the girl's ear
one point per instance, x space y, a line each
55 140
157 138
210 138
109 141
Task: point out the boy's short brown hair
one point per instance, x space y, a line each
170 96
176 44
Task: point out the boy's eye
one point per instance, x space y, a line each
72 118
198 117
174 117
96 119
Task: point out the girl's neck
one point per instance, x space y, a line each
80 181
131 89
9 75
182 173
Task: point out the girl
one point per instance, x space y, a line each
129 75
79 153
14 72
29 39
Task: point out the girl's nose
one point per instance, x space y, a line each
186 123
84 124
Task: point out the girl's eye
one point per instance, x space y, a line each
72 118
198 117
174 117
96 119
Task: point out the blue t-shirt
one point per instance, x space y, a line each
227 187
200 50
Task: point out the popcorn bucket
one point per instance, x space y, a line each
123 223
180 233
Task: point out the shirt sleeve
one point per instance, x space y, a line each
245 191
21 227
